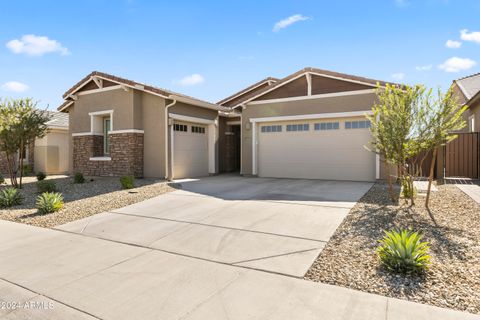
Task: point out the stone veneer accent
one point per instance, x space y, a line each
126 153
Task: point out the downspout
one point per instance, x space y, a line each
166 136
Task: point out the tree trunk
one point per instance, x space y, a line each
21 157
430 176
11 172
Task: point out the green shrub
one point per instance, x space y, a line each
41 176
408 190
49 202
403 252
10 197
27 170
127 182
46 186
78 178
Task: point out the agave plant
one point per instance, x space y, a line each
10 197
49 202
403 251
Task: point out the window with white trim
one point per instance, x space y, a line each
327 126
107 127
180 127
359 124
273 128
197 129
298 127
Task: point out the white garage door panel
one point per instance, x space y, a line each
333 154
190 156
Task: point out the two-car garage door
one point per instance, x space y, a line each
332 149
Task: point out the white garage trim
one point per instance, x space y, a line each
313 116
254 122
181 117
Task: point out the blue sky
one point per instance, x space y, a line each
211 49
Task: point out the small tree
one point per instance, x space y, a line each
442 118
20 124
394 126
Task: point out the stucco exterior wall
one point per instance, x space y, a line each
361 102
52 153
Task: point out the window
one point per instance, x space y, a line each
471 123
180 127
327 126
298 127
360 124
106 129
271 128
196 129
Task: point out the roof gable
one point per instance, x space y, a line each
244 94
469 86
322 81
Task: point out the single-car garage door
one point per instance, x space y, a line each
190 150
330 149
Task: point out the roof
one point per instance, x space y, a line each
136 85
249 88
469 85
57 119
320 72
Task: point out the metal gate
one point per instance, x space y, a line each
462 156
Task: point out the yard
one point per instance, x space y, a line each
453 279
95 195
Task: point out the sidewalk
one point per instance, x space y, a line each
88 278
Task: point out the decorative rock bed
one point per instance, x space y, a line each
81 200
453 280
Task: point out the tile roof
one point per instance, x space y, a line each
57 119
469 85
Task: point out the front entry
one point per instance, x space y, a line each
232 149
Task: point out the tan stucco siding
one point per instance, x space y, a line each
193 111
120 101
361 102
52 152
153 122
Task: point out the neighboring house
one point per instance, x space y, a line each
467 90
311 124
50 153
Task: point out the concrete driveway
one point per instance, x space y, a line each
274 225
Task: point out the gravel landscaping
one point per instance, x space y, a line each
453 279
81 200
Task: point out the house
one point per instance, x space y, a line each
467 90
311 124
50 153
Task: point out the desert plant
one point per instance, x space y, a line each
49 202
409 191
127 182
78 178
403 252
41 176
46 186
10 197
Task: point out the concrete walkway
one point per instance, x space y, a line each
472 190
61 275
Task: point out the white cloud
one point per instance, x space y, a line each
398 76
452 44
191 80
423 68
14 86
288 22
33 45
456 64
470 36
